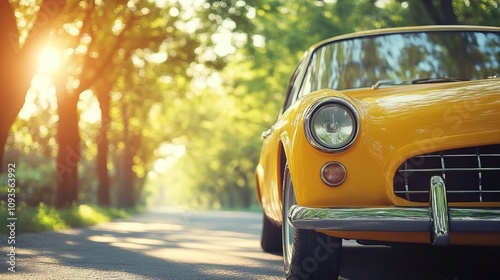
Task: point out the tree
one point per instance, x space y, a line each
81 72
123 29
102 90
19 54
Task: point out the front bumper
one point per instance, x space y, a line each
437 219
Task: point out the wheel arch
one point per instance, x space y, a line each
282 162
257 189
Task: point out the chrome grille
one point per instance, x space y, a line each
470 174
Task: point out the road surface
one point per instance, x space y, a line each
172 244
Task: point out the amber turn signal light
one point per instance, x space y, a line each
333 173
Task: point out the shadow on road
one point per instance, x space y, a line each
157 245
219 245
419 262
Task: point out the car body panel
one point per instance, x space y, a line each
395 124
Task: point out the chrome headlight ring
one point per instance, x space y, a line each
331 124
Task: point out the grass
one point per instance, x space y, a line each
45 218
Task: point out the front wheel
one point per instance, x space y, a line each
307 254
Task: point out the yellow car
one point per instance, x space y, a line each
385 136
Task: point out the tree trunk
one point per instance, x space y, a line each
4 134
12 102
103 198
126 187
18 65
443 14
247 195
14 77
245 192
68 156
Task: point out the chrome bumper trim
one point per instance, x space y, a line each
437 219
439 211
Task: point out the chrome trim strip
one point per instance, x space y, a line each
443 166
457 155
407 186
360 219
461 191
474 220
439 212
392 219
438 219
480 175
449 169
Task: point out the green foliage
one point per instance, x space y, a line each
83 215
40 218
481 12
44 218
217 169
34 180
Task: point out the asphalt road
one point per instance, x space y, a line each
169 244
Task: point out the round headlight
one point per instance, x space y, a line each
331 124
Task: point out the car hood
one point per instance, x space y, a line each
428 117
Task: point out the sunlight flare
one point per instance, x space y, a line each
49 60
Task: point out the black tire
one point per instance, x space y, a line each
271 236
307 254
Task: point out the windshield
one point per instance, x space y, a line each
403 58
